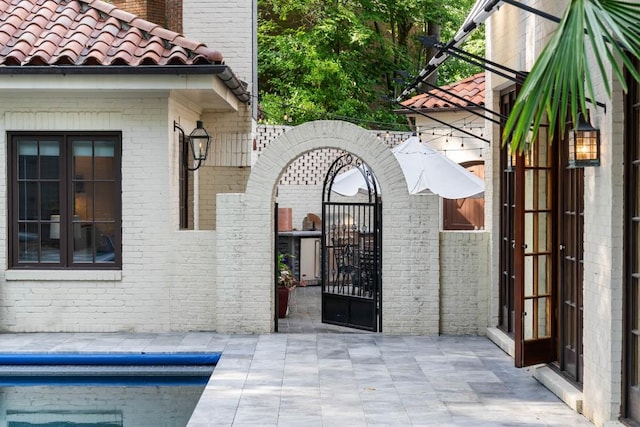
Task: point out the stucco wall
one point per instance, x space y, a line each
165 280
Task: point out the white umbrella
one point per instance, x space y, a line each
351 181
424 169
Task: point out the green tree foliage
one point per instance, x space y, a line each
338 59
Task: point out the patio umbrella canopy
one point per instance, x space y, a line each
424 169
349 183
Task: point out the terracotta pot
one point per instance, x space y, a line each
285 221
283 302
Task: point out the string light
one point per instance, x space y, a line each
373 124
466 122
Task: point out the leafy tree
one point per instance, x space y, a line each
338 59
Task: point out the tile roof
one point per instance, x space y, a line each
90 32
471 89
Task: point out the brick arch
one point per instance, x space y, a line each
245 241
280 153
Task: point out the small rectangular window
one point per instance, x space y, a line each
64 200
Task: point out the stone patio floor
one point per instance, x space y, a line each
316 375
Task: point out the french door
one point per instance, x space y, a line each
631 373
527 238
507 226
571 221
533 253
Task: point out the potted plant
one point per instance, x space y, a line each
286 283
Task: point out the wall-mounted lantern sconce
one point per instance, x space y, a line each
199 141
584 144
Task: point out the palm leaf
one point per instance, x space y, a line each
560 78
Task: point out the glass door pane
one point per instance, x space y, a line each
631 301
94 201
38 200
507 227
533 288
570 259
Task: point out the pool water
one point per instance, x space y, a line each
101 390
99 406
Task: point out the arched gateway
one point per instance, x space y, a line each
351 249
244 290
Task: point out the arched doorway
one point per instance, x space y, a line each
351 249
244 287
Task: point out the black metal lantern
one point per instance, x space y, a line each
199 141
584 144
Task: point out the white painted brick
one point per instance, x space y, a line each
464 282
515 39
163 285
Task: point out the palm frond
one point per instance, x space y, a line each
560 78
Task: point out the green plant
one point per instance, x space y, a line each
285 275
561 78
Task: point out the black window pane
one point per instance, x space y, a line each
83 200
93 244
51 240
83 243
27 160
104 197
104 160
49 160
105 248
28 242
64 197
82 160
27 201
50 199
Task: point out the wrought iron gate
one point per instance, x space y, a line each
351 251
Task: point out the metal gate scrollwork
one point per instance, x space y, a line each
351 251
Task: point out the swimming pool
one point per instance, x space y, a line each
102 389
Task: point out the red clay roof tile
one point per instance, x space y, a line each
471 89
90 32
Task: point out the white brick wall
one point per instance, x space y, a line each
214 180
303 199
410 285
227 27
464 266
206 280
455 144
603 265
165 283
518 38
231 137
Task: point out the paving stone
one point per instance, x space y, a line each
329 376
